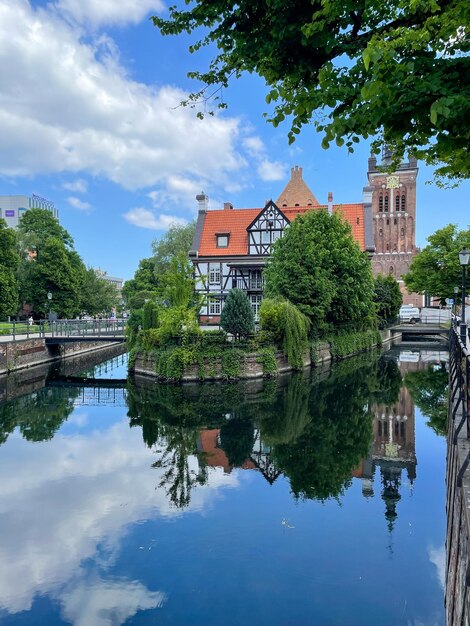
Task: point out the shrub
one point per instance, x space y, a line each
237 315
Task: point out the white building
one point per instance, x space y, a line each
12 208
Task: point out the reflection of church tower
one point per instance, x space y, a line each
392 202
393 450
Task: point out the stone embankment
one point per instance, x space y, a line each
252 367
23 353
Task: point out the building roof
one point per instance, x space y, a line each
234 222
296 192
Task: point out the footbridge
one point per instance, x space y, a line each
422 330
66 331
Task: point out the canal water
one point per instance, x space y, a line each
316 498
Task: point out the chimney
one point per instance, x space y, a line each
228 206
203 202
330 202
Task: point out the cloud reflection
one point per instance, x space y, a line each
60 499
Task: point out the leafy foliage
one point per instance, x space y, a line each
289 326
9 260
345 344
398 71
97 295
175 242
319 267
143 286
388 299
150 316
237 315
436 269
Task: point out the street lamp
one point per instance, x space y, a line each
456 293
464 256
49 298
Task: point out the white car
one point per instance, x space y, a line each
409 313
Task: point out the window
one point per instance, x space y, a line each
214 307
381 203
256 280
386 203
402 232
265 236
358 221
255 304
381 233
394 220
394 247
222 241
388 222
397 203
276 235
391 270
214 274
388 246
403 203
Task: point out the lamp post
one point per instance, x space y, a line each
49 298
464 256
456 293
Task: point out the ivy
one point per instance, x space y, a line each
267 358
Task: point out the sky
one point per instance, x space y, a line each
90 119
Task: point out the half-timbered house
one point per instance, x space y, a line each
231 245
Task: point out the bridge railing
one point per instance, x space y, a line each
70 328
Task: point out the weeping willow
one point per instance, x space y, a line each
289 326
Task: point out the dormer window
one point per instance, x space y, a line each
222 240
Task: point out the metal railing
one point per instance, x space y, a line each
459 381
70 328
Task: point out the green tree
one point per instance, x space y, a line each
387 298
144 285
236 439
9 260
436 269
150 315
319 267
175 242
237 315
177 283
49 263
429 390
398 71
97 295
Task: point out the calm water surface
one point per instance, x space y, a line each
315 499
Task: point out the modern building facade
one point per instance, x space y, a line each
12 208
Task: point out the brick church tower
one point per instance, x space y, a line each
391 199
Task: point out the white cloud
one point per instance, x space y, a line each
178 190
271 170
77 186
68 483
254 146
99 12
148 219
108 603
79 204
67 105
437 556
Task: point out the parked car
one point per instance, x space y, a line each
409 313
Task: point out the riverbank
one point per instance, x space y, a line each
230 362
29 352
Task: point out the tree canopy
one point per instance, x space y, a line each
176 241
436 269
319 267
397 71
9 259
387 298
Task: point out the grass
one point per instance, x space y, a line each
21 328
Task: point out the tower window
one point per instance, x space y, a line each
403 202
386 203
381 203
381 233
391 270
397 202
402 232
394 220
388 222
388 247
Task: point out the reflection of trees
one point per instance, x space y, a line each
314 430
237 438
38 415
428 388
319 462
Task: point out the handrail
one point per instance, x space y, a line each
114 327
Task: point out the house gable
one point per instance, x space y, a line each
265 229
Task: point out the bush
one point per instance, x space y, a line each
237 315
288 326
150 315
345 344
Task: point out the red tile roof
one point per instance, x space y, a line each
235 222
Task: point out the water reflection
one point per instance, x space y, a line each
95 500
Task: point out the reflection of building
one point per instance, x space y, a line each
259 459
393 450
12 208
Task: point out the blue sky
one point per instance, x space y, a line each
90 120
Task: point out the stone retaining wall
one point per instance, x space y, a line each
16 355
